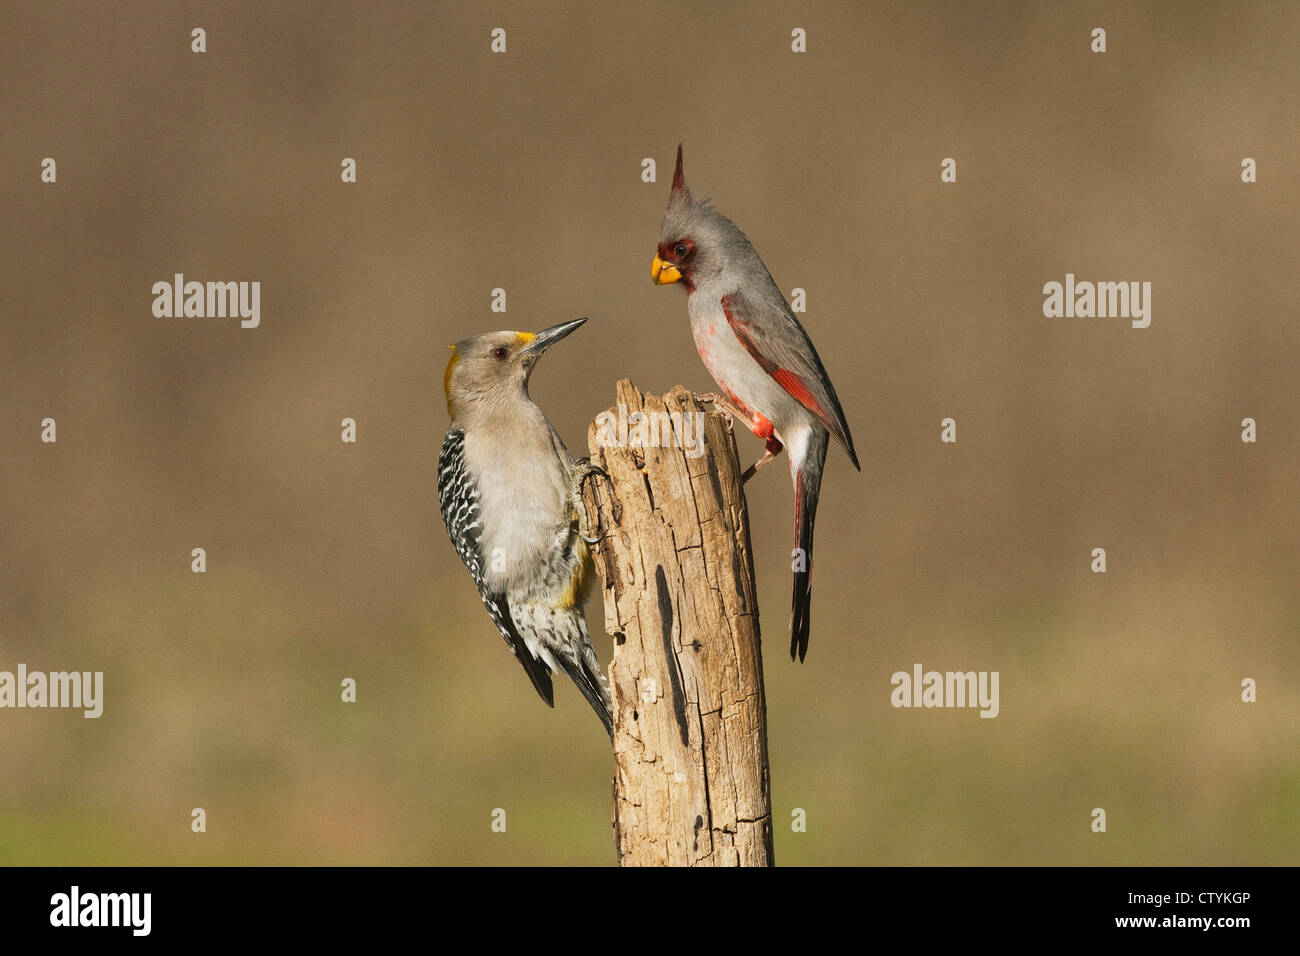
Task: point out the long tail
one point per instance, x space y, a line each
592 688
807 474
584 669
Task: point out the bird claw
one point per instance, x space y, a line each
717 400
584 469
721 403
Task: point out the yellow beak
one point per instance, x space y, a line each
661 273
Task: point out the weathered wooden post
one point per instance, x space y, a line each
691 783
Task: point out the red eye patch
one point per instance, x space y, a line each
668 251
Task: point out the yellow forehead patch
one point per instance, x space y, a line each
525 337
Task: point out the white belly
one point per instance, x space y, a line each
523 505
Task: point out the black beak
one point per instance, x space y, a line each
548 337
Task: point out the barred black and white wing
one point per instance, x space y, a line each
458 497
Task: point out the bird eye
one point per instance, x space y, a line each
500 351
680 250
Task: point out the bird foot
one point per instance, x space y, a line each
722 404
582 470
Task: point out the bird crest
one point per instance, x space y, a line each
680 190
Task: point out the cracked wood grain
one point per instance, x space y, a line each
691 780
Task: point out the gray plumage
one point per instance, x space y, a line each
760 356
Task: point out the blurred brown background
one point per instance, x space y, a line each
522 171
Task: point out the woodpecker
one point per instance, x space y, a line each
760 356
511 497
